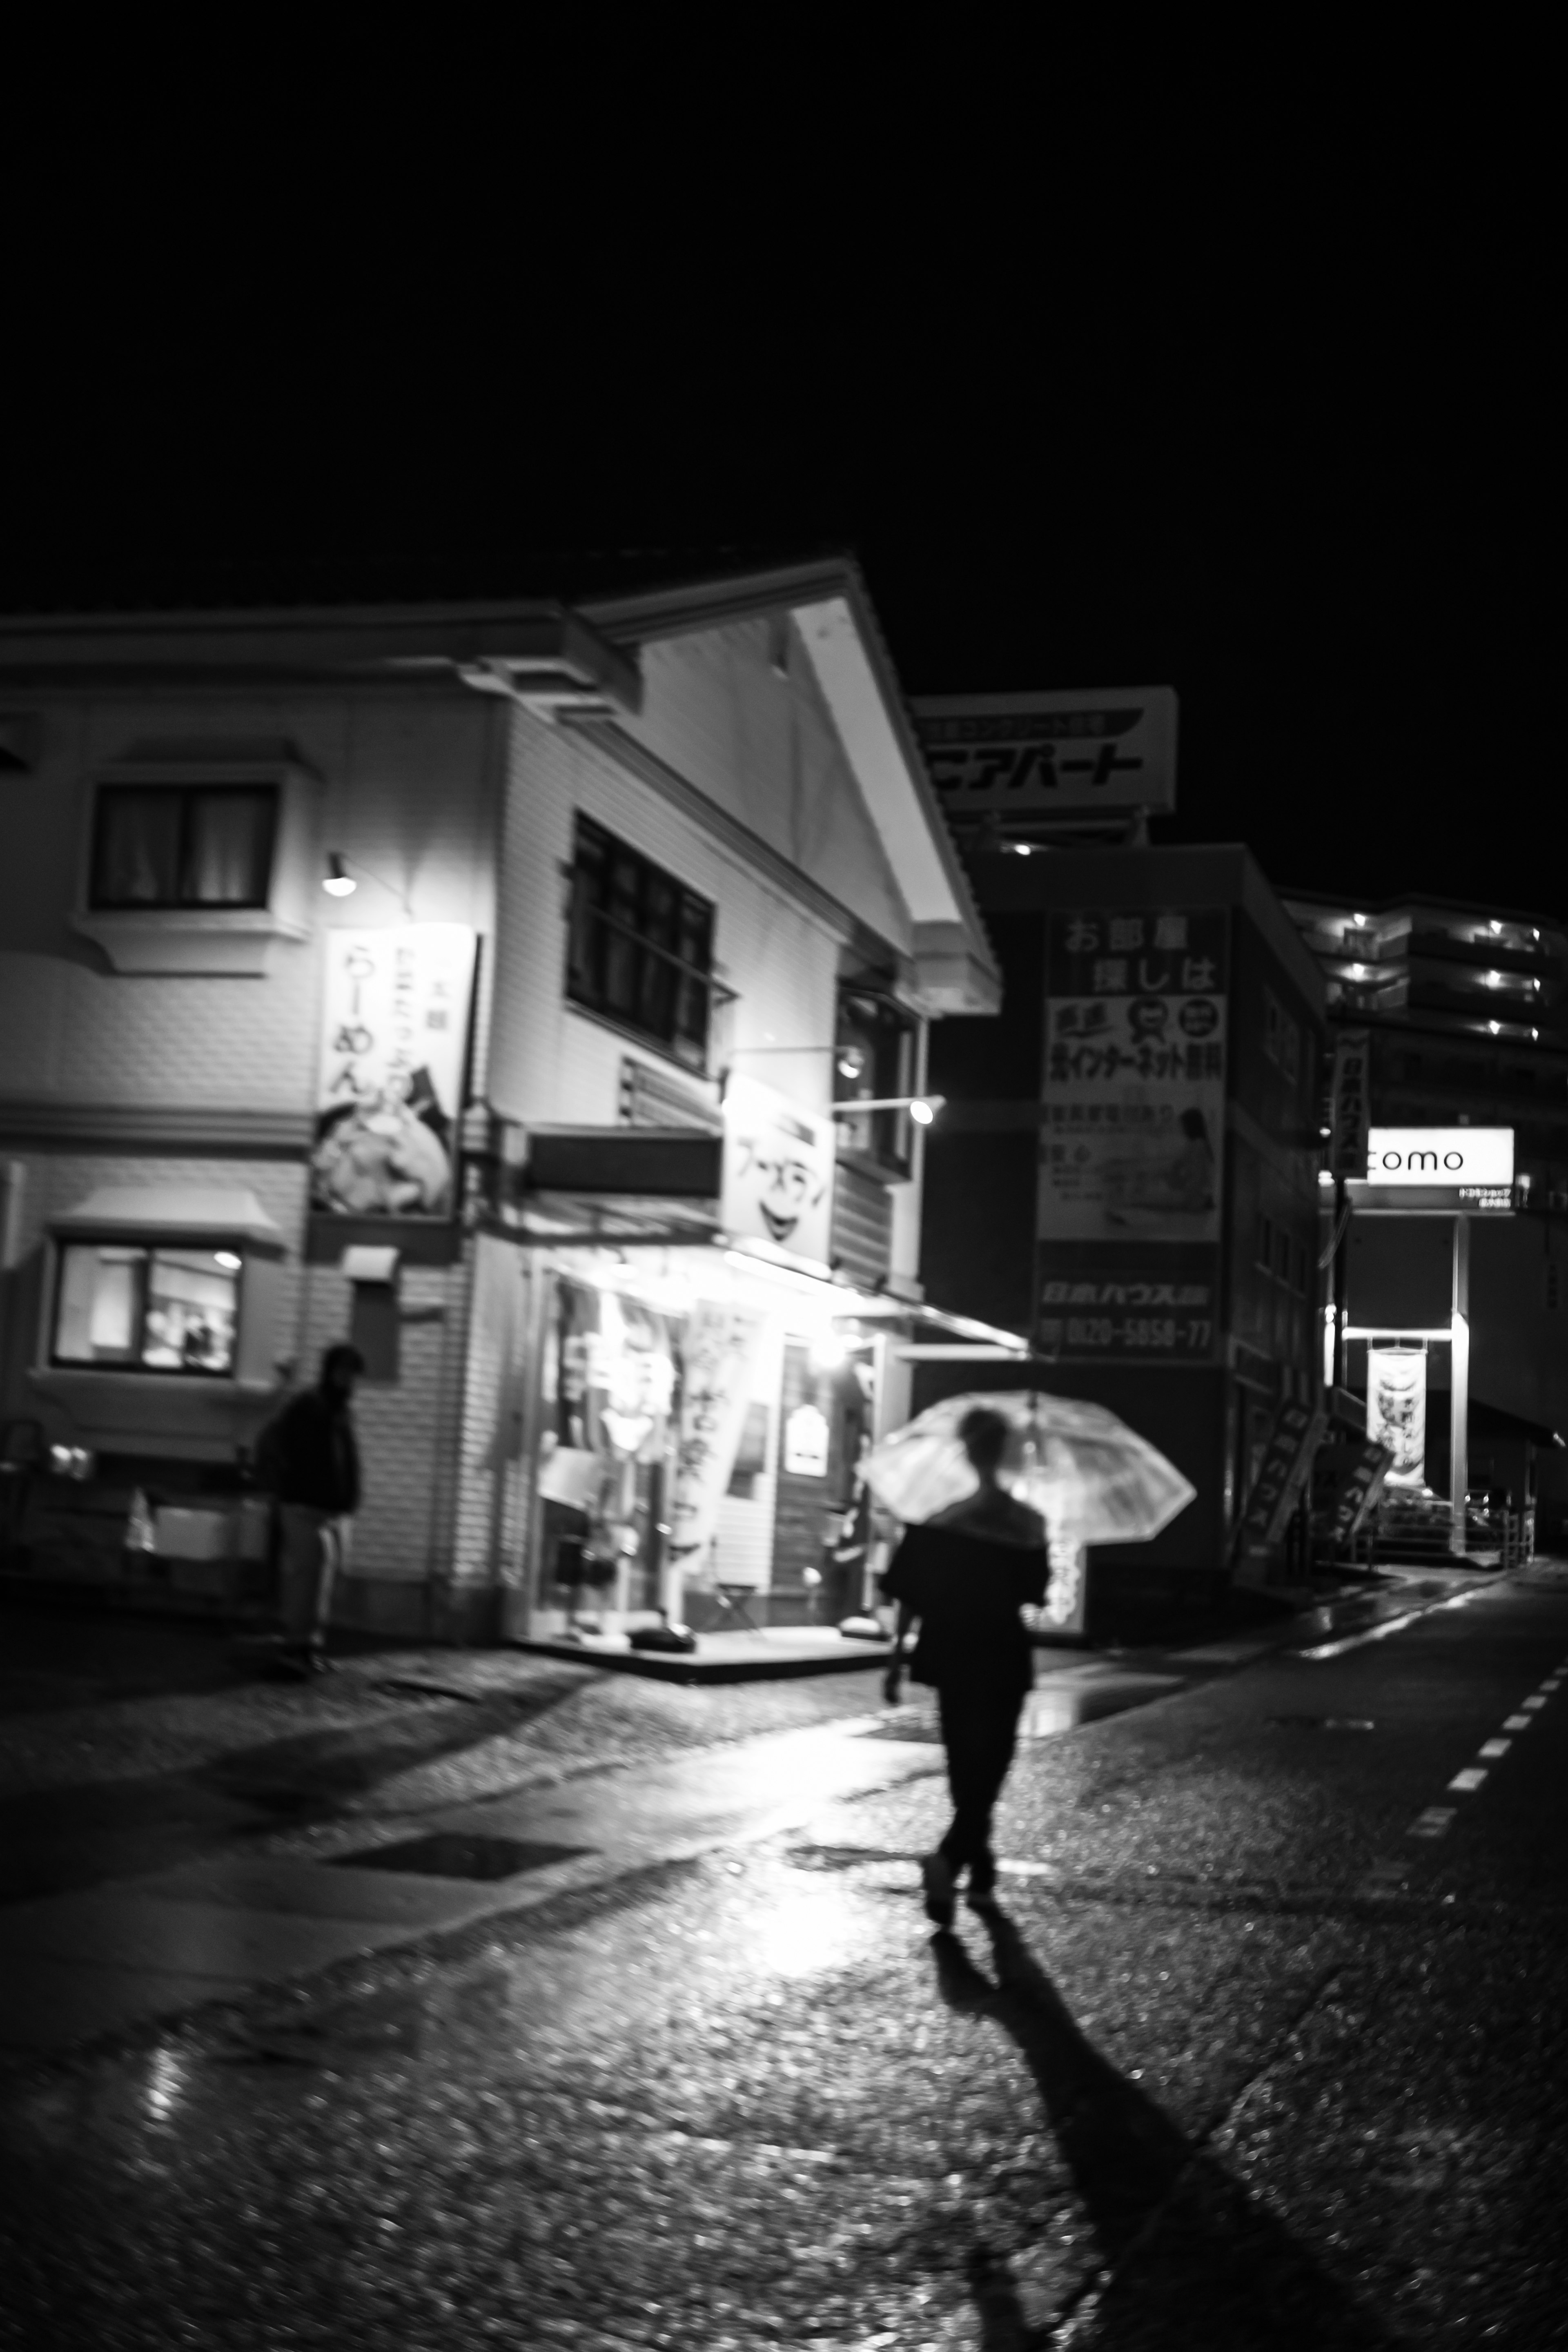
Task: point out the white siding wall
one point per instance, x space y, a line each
404 793
763 747
550 1064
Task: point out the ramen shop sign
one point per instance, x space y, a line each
1452 1157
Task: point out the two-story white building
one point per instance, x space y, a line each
491 986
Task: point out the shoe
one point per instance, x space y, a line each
318 1662
936 1879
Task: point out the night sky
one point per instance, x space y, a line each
1264 418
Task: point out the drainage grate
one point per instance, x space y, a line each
460 1853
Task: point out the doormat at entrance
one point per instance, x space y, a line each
459 1853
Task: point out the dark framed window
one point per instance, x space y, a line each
641 946
134 1307
171 845
874 1056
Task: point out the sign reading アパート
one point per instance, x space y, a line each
394 1032
1133 1096
1051 753
779 1160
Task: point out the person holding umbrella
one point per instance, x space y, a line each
965 1574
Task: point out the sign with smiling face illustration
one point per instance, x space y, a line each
778 1172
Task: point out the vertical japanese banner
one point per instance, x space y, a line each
1351 1101
394 1030
719 1354
1396 1410
1132 1146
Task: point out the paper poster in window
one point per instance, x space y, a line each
1133 1097
394 1033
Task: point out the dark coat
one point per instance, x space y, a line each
966 1590
308 1455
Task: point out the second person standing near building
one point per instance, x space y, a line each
309 1457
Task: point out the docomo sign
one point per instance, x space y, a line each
1439 1155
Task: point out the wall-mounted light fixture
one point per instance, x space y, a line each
921 1108
339 883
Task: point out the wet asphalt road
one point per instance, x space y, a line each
1272 2050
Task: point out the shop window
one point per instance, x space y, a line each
641 947
164 847
1263 1247
874 1057
121 1307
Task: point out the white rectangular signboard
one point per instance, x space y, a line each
394 1034
1114 747
1439 1155
779 1163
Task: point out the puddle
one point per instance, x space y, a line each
459 1853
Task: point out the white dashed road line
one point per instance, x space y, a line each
1433 1821
1470 1780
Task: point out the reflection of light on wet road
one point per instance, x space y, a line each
810 1925
166 2084
1051 1707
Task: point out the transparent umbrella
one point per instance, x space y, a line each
1094 1479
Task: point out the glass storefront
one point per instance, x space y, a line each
701 1416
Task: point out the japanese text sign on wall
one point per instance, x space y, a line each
1351 1101
1133 1312
1032 753
1133 1091
394 1030
779 1161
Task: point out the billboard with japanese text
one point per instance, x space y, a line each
1154 1303
1051 753
394 1033
1131 1145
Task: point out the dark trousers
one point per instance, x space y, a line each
979 1730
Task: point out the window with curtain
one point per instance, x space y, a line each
122 1306
166 845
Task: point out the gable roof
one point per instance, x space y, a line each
832 610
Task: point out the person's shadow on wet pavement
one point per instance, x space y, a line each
1186 2257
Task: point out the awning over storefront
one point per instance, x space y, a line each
156 1211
